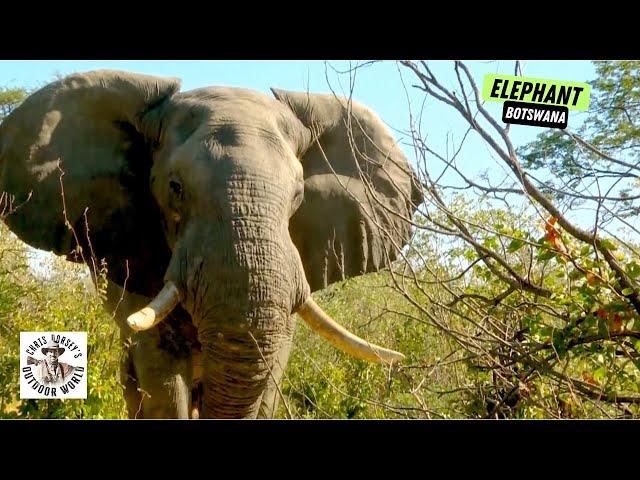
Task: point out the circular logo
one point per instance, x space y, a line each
53 365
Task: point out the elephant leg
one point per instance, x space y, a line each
271 396
129 382
156 378
164 381
197 389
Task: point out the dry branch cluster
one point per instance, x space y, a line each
540 303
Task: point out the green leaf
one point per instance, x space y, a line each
599 374
633 269
491 242
559 342
546 255
603 328
627 291
575 274
589 321
470 254
608 244
515 245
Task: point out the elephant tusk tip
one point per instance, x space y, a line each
142 319
161 306
393 358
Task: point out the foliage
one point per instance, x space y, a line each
59 296
616 105
322 382
602 155
547 308
568 350
9 99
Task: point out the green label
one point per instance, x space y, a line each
573 95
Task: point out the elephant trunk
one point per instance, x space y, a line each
239 365
244 319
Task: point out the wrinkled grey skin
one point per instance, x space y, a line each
246 202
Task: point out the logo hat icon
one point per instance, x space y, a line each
54 346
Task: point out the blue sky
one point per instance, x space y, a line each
379 86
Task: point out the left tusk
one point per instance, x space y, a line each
161 306
343 339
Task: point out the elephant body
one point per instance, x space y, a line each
233 204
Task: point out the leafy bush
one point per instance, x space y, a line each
322 382
57 295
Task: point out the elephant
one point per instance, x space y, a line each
218 212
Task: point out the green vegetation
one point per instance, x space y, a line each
61 298
322 382
10 98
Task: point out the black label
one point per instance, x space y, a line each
534 114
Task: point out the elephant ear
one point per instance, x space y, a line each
360 191
75 159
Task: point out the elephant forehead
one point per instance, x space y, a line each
229 166
221 117
229 103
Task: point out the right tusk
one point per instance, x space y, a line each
157 310
343 339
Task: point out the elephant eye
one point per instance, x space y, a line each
175 187
298 196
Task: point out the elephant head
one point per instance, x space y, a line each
221 206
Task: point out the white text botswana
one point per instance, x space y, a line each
535 114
